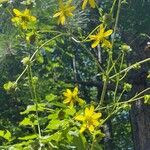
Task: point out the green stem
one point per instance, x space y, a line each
104 90
34 95
96 61
92 145
118 78
31 59
130 67
113 6
134 98
116 22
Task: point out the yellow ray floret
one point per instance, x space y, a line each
90 119
101 37
92 3
23 18
65 10
71 97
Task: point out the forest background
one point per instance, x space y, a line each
75 74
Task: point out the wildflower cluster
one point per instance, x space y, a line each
65 10
101 37
72 98
23 19
90 119
59 121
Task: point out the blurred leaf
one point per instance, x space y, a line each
26 122
29 137
31 108
50 97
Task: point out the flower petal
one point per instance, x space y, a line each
92 37
26 12
87 112
91 128
92 109
80 101
75 91
62 19
80 118
96 123
96 115
92 3
82 128
67 100
107 33
68 93
84 4
57 14
107 44
95 44
17 12
32 18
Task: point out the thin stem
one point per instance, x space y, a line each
85 39
130 67
97 62
104 90
117 20
118 78
34 96
113 6
24 71
134 98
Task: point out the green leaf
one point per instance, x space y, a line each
50 97
1 133
26 122
31 108
6 135
54 124
58 104
54 137
97 146
29 137
39 58
80 142
70 111
53 116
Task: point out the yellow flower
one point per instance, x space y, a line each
100 38
23 19
65 10
72 97
91 2
89 119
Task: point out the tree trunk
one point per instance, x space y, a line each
140 112
140 119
